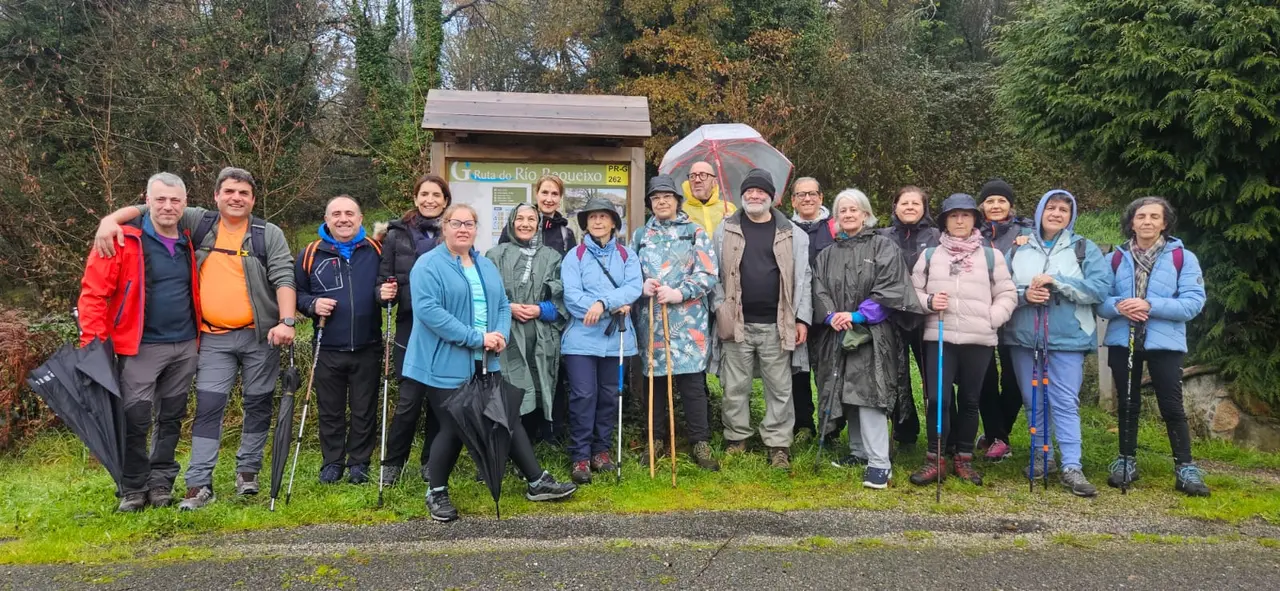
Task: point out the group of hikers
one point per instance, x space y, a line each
989 305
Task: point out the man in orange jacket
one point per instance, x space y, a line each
147 301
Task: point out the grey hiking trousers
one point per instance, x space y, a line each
222 357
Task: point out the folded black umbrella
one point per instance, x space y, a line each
81 386
485 411
290 381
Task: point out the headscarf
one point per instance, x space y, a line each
528 248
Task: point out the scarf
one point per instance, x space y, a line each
528 248
961 251
428 232
344 248
1143 262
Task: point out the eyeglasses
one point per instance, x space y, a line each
701 176
468 224
808 195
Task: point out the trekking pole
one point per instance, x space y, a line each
1124 416
1044 387
386 384
622 328
1035 384
671 405
937 495
652 469
306 402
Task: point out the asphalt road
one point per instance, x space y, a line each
752 550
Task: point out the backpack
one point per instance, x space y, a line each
309 253
1178 256
986 251
582 249
257 237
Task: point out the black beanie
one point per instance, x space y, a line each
995 187
759 178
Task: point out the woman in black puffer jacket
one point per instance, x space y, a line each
913 231
408 238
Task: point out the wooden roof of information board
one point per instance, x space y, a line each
605 116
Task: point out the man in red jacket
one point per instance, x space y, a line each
146 300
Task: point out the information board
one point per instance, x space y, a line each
496 188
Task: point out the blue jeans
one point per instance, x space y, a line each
593 404
1066 372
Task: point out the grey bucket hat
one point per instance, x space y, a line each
958 202
663 184
599 204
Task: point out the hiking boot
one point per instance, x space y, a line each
601 462
735 447
330 474
934 469
581 472
160 497
134 501
997 451
440 507
803 436
359 474
702 455
1120 468
849 461
1190 480
780 458
246 483
196 498
390 475
1074 480
962 467
982 444
547 489
877 478
1039 472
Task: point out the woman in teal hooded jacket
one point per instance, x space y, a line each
1060 276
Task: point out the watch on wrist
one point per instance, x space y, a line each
289 322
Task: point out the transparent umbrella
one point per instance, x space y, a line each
732 149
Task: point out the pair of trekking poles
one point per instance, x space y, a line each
311 380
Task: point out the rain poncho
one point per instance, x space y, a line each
677 253
531 275
854 269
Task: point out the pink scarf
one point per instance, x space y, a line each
961 251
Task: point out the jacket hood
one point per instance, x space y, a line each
510 230
691 201
823 215
1071 225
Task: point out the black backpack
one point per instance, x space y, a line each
257 237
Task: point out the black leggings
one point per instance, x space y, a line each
965 366
1166 375
447 444
1001 401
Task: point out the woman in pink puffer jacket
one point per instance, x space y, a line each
967 283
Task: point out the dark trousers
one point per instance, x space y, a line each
410 406
593 404
348 379
802 399
1166 375
1001 399
691 388
906 422
964 366
446 445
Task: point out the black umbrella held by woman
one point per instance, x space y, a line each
486 410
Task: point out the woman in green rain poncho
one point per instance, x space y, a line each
531 275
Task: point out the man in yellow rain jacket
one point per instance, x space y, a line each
702 198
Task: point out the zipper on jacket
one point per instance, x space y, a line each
128 285
351 297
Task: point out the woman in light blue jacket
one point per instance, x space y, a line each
1060 276
1158 288
461 321
602 278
